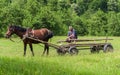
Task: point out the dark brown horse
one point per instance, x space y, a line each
42 34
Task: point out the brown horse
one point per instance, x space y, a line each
42 34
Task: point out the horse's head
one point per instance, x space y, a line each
10 31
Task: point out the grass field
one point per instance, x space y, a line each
12 61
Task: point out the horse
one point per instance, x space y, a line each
43 34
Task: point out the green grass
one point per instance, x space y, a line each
12 61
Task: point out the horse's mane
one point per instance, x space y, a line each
20 28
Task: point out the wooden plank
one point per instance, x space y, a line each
84 40
86 44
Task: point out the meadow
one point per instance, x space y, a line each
12 61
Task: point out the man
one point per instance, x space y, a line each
71 33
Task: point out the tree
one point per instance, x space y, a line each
113 23
113 5
97 24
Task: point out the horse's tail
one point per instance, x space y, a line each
50 34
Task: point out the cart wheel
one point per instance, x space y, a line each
108 48
94 49
73 50
61 52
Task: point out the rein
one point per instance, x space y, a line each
14 41
11 40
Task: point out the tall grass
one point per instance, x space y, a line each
12 61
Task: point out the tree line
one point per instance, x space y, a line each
88 17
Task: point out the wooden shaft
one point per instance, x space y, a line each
44 42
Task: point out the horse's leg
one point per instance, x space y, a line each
31 48
25 46
44 49
47 47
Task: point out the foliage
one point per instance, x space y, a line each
88 17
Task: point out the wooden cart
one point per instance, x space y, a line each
74 46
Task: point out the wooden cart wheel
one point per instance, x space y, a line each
108 48
73 50
94 49
61 52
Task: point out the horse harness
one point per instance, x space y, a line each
29 33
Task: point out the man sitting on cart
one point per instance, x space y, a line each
71 34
